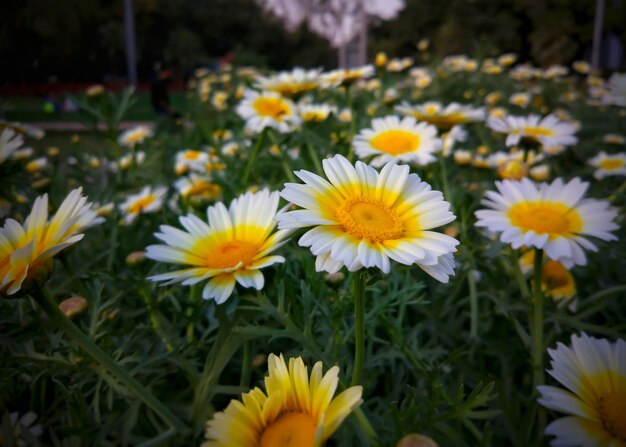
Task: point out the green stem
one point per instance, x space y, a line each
619 192
154 318
538 374
50 307
519 277
444 177
359 326
194 302
471 282
315 159
252 158
284 161
247 364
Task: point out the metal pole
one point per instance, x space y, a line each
597 35
129 40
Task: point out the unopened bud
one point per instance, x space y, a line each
416 440
74 306
135 257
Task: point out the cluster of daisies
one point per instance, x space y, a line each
371 213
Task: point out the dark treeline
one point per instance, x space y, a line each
83 40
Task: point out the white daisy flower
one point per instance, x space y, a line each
608 164
290 83
593 371
400 140
136 135
365 218
315 112
547 131
616 94
433 112
267 109
346 76
554 217
9 142
144 202
232 247
191 160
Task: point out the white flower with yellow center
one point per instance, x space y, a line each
393 139
290 83
28 249
507 59
235 244
191 160
297 410
399 64
547 131
581 67
521 99
593 372
616 90
444 118
347 76
555 72
197 187
136 135
144 202
554 217
363 218
315 112
267 109
525 72
608 164
9 142
614 138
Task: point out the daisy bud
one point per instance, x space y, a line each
416 440
73 307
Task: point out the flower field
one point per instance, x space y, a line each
390 255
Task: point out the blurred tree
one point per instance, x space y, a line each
82 40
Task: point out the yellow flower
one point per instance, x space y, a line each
363 218
556 280
233 247
297 410
26 251
381 59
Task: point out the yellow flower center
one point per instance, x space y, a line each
396 142
611 164
555 219
534 132
141 204
273 107
443 122
192 155
612 409
289 89
210 189
292 429
136 137
314 116
366 218
513 169
231 253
